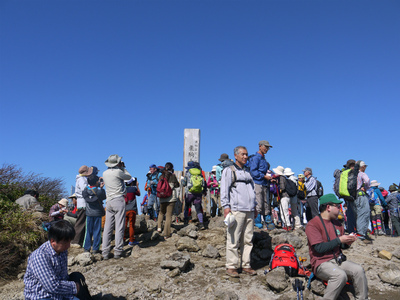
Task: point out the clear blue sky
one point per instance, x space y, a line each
81 80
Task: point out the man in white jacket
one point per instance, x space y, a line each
114 180
238 198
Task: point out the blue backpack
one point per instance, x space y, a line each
373 198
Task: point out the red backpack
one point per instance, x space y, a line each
285 256
163 188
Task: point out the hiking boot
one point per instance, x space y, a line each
97 252
366 241
201 226
232 272
368 237
108 256
380 232
249 271
118 256
131 244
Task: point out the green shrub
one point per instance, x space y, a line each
20 234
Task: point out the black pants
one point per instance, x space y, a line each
80 227
312 207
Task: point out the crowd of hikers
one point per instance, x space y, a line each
245 191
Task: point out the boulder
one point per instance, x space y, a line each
277 280
391 276
210 252
186 243
191 231
225 295
84 259
396 253
140 224
176 260
288 238
385 255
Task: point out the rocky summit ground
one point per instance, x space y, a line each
191 265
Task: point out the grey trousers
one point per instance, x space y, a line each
115 216
337 277
262 199
362 211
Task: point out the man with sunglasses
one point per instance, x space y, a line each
326 239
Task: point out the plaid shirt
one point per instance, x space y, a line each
362 181
47 275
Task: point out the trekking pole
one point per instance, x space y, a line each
296 285
301 288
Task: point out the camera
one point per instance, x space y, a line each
341 258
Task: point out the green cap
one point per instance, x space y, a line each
329 198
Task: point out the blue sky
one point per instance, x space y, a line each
80 80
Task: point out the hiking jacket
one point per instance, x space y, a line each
174 184
379 200
212 184
152 181
393 204
80 184
221 167
311 186
130 198
94 197
258 168
240 195
55 214
114 182
29 202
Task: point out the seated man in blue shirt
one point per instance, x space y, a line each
46 276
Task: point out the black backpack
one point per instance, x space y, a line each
290 187
319 189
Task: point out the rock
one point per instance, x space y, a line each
71 260
174 273
396 253
140 224
385 255
191 230
210 252
392 275
288 238
176 260
186 243
226 295
136 252
151 225
277 280
84 259
318 287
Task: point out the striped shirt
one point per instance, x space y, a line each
47 275
363 181
311 185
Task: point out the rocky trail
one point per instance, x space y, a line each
191 265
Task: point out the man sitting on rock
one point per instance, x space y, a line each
47 276
238 198
326 238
